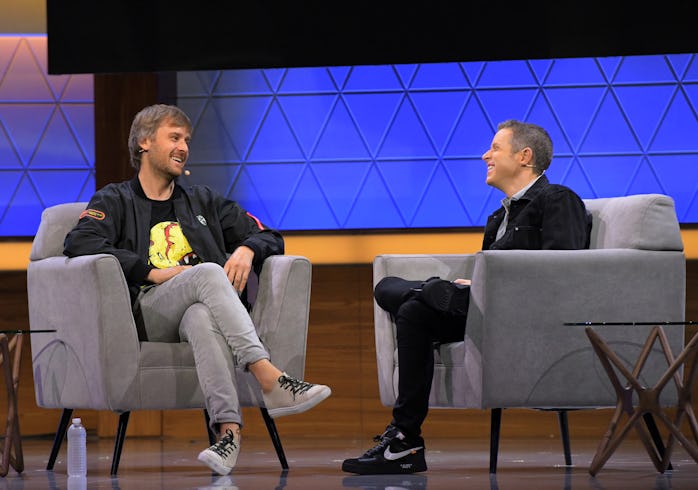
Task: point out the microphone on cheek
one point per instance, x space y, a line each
142 150
187 173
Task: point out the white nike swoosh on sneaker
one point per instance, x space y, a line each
391 456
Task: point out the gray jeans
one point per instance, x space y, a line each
201 307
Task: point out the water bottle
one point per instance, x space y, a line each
77 449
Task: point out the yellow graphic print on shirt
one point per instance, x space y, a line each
169 247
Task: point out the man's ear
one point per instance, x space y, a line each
526 156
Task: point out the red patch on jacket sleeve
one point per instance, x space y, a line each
259 223
92 213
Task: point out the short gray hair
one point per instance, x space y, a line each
531 135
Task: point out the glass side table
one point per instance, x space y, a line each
10 358
647 397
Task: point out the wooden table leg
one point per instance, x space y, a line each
648 400
11 448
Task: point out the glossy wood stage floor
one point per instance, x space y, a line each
170 463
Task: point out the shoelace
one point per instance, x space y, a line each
383 441
295 386
226 445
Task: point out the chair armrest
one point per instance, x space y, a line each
281 310
86 300
520 300
408 266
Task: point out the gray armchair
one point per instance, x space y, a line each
517 350
95 360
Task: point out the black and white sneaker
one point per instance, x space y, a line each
395 453
222 456
291 396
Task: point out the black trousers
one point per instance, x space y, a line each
419 327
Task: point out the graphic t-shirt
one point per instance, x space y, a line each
168 245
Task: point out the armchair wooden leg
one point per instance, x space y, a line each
60 434
275 439
495 425
119 441
565 435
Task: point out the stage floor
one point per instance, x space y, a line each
315 464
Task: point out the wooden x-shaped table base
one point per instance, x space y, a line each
648 400
11 447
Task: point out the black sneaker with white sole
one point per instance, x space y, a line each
395 453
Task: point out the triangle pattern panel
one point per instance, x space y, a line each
575 109
677 130
541 68
644 69
307 81
406 135
501 105
46 125
341 183
374 78
691 74
274 77
9 159
468 179
407 182
541 113
498 74
439 76
440 112
78 89
218 176
609 131
373 114
194 108
267 189
23 79
241 82
275 140
609 176
573 176
196 83
619 125
340 139
58 147
472 134
440 205
645 107
339 74
9 181
682 185
232 124
473 71
308 205
58 186
25 126
680 63
406 73
609 65
374 207
559 169
22 217
306 116
645 181
577 72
